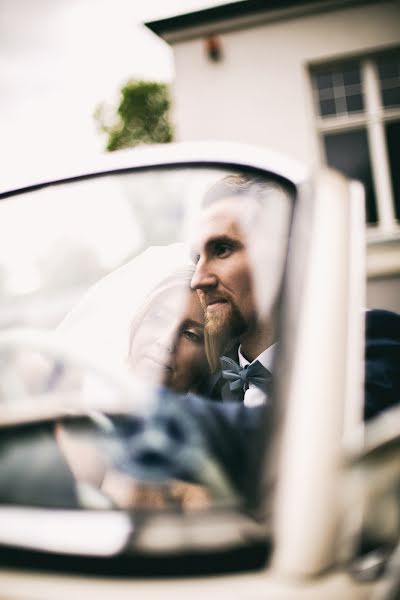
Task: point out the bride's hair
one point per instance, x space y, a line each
215 346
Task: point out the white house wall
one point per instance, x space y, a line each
260 92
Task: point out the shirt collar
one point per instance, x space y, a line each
266 358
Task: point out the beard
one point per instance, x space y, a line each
221 329
224 322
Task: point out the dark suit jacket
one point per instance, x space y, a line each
382 362
382 365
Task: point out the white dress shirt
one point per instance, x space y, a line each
253 396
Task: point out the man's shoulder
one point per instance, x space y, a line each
382 324
382 361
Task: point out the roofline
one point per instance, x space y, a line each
243 13
215 13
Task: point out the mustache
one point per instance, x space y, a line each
201 296
207 298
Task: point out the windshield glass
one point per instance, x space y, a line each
139 328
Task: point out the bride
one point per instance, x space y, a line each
144 317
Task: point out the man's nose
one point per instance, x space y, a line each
203 277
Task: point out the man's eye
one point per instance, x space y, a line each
223 250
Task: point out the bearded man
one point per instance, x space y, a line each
240 252
243 229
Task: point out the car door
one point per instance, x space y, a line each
88 260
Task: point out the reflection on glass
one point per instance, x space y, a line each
157 368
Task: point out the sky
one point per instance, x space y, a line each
59 59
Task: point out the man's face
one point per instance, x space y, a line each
223 276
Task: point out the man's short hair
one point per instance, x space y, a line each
238 185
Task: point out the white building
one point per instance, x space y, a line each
316 79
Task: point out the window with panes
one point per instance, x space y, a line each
357 103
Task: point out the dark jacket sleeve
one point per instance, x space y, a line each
382 362
235 433
234 436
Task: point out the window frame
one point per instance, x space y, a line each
373 119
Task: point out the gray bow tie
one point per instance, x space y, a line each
237 376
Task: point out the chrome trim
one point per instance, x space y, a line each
86 533
108 533
316 341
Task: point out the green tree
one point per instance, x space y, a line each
142 116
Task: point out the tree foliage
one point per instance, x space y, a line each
142 116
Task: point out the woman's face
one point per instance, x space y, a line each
170 350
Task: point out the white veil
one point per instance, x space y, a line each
99 325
